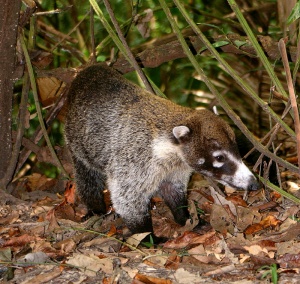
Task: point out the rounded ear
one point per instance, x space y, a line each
180 131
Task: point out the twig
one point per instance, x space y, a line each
275 128
92 32
51 115
122 46
127 48
56 11
289 80
38 107
64 37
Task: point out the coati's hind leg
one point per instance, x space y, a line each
175 198
90 185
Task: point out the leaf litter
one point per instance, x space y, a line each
47 238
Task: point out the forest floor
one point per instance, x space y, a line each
45 239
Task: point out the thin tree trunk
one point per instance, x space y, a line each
9 16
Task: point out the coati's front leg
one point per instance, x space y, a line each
90 185
132 205
175 198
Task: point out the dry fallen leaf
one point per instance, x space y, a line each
20 241
289 247
269 221
10 218
173 261
70 195
151 280
136 239
142 22
188 239
289 261
91 264
183 276
33 259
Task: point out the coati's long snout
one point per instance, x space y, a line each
241 177
137 144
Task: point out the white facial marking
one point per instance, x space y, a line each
201 161
219 152
217 164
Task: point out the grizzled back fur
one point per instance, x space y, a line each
138 144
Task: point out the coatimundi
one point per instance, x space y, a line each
138 144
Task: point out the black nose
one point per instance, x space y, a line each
253 184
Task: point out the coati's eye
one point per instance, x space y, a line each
220 158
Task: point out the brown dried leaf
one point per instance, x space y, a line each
142 22
65 211
289 260
70 195
151 280
12 217
237 200
269 221
199 253
91 264
246 217
20 241
188 239
40 58
38 182
49 89
220 219
52 221
173 261
47 276
136 239
289 247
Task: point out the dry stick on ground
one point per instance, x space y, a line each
289 80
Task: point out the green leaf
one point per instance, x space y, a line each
216 44
239 43
295 14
